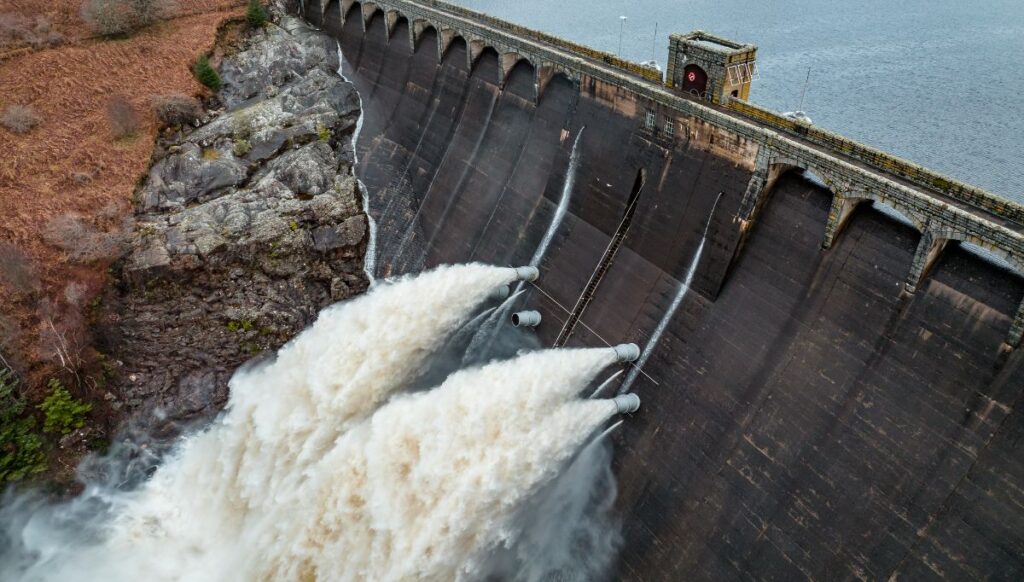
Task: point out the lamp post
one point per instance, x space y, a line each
622 25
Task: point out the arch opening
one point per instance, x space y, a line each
332 21
352 10
842 205
695 80
775 172
520 79
315 13
483 53
455 49
375 17
485 66
562 77
559 81
1001 260
545 76
400 30
897 215
425 38
351 35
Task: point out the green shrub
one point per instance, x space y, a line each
256 15
63 413
21 448
242 123
239 326
206 74
242 147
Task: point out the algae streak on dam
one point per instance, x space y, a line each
837 412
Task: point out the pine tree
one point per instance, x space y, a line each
256 14
63 413
206 74
21 448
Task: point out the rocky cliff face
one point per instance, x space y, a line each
247 226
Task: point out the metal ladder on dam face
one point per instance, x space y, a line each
604 264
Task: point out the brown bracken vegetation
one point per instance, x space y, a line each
123 119
66 185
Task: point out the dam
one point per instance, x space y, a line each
836 392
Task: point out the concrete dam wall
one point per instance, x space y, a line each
847 412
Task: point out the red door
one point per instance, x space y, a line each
695 80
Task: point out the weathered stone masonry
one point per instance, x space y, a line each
942 209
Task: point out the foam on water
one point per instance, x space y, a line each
323 467
479 346
432 481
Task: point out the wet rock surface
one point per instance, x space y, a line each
246 227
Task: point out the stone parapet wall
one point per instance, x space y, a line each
504 26
884 161
848 180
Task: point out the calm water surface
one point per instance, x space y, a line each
940 82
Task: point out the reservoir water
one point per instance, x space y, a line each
936 81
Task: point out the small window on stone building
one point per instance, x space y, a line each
649 120
670 128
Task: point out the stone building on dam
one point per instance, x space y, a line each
837 396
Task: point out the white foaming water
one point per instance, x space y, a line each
479 347
569 519
310 474
370 258
468 331
432 481
597 392
666 317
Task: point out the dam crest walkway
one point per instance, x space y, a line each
942 209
